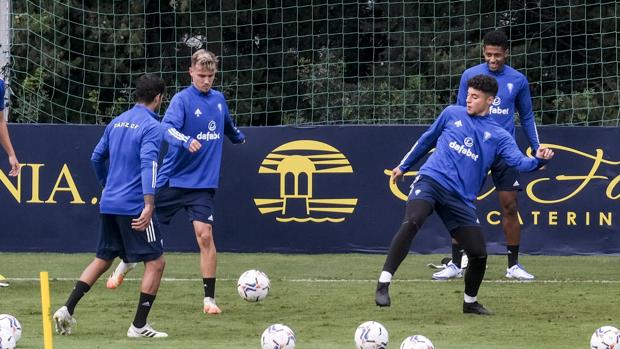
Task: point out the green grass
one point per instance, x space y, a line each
323 298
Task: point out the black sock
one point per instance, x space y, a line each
474 275
209 285
144 306
78 292
457 254
513 255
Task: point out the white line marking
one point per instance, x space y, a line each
497 281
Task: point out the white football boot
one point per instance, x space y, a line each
451 271
63 321
147 331
518 272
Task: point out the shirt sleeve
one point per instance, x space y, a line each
230 130
1 95
425 143
100 156
509 151
461 97
149 152
173 121
526 115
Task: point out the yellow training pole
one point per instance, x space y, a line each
45 307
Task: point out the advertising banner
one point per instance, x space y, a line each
316 190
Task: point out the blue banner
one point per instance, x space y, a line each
316 190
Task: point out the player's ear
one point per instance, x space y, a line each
490 99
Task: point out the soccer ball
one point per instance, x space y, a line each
253 285
7 340
371 335
10 323
416 342
278 336
606 337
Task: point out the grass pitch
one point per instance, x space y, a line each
323 298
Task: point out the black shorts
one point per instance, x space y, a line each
198 203
453 211
118 239
505 178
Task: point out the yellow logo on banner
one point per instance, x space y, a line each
296 163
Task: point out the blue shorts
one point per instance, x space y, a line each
453 211
118 239
198 203
505 178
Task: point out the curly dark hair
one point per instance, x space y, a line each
484 83
148 86
496 38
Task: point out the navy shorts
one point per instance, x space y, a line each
118 239
505 177
198 203
452 210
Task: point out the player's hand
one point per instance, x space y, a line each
194 146
396 174
15 166
142 222
544 153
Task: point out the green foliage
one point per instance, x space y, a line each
329 63
324 304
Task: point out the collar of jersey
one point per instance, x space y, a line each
152 113
198 92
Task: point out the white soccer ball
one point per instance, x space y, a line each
606 337
253 285
7 340
278 336
11 323
371 335
416 342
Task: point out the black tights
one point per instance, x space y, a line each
415 214
472 241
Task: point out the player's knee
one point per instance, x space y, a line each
205 237
157 265
509 208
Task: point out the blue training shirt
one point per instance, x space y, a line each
465 148
1 95
130 145
513 94
193 114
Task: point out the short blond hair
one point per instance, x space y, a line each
205 59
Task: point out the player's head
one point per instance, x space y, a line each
481 91
150 88
495 49
203 69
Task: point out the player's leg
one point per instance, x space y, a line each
144 246
472 240
109 247
208 264
116 278
416 213
506 180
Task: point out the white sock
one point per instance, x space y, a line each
124 268
469 299
385 277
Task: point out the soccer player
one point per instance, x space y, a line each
193 127
466 142
513 95
130 144
5 140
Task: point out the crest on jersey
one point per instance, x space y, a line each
458 123
487 136
198 113
219 106
510 86
468 141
